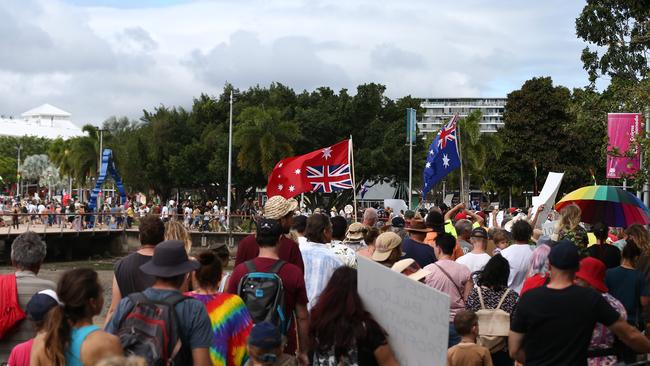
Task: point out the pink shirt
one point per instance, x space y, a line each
438 280
20 354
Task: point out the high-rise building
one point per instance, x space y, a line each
438 111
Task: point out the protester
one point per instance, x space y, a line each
538 271
230 319
553 324
436 222
414 246
343 331
518 254
298 229
569 228
369 238
388 249
174 230
170 266
411 269
370 217
628 285
492 292
265 347
346 254
476 259
451 278
281 209
464 231
37 309
128 278
397 225
607 253
27 254
500 239
601 347
268 237
354 236
69 327
467 352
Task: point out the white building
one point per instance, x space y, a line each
44 121
438 111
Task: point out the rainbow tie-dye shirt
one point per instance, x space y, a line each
231 324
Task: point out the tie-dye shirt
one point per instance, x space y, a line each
231 324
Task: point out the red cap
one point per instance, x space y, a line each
481 214
592 271
460 216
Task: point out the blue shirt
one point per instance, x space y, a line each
77 338
422 253
195 324
627 285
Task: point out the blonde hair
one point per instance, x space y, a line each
569 217
174 230
640 236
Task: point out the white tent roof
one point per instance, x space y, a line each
46 110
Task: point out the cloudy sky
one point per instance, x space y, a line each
98 58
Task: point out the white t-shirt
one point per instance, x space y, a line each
518 256
164 212
475 262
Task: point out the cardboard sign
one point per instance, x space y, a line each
547 197
415 316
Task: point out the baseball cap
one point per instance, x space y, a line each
265 335
564 255
384 245
40 304
398 222
479 232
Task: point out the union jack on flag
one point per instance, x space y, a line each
448 133
329 178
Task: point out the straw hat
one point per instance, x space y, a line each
278 207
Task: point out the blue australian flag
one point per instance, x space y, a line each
442 157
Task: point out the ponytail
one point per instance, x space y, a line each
57 336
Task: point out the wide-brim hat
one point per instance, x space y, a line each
410 268
169 260
278 207
384 245
355 231
418 226
592 271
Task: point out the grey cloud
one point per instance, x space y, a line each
388 56
139 39
245 61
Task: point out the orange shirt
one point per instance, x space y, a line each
431 240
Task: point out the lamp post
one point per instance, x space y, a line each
229 188
18 147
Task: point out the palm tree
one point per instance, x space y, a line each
263 139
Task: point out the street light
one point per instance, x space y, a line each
18 147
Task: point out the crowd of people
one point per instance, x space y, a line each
561 294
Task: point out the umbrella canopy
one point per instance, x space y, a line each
610 205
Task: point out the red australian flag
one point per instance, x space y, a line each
324 170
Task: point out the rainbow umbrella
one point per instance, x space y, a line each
610 205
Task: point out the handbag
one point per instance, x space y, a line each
493 325
10 312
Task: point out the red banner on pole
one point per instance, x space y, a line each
622 129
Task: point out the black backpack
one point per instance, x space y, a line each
263 294
151 330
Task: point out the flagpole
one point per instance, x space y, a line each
460 157
354 184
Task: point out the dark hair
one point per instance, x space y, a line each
268 232
631 251
316 226
495 273
339 318
299 223
209 274
152 230
600 231
446 243
499 235
435 220
464 321
370 235
521 231
222 253
76 288
339 227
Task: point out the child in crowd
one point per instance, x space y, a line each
37 308
265 347
467 352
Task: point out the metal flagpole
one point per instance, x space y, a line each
460 157
411 120
354 184
229 193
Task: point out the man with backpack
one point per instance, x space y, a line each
144 320
262 293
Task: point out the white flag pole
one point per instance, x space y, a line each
460 157
354 184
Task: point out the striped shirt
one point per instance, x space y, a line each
28 284
231 324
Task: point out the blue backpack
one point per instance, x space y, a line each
263 294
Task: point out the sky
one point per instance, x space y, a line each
102 58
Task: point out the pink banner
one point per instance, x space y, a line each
622 129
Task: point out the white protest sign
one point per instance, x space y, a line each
415 316
547 197
448 198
